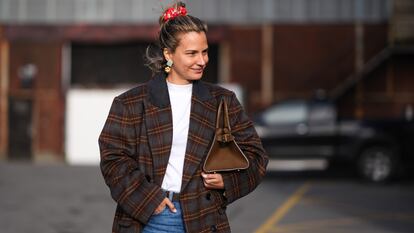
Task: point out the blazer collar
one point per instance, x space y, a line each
158 91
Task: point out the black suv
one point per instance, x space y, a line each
311 130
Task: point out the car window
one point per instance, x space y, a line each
286 113
322 113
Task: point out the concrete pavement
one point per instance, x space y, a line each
53 199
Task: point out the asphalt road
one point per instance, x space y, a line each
325 202
74 199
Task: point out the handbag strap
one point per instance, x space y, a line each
223 131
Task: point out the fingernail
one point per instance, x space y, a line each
174 210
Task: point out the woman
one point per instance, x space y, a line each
157 135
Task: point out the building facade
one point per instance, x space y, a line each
58 57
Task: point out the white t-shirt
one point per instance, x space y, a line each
180 98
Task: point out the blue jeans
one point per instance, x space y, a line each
166 221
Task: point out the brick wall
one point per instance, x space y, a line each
45 94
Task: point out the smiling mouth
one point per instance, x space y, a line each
198 70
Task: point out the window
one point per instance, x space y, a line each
322 113
106 65
286 113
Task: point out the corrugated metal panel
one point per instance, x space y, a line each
35 10
65 10
213 11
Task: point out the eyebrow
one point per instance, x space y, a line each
193 50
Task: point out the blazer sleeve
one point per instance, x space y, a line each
239 184
128 185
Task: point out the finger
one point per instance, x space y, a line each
213 185
204 175
210 178
160 208
207 181
206 184
214 180
171 205
210 185
215 177
209 175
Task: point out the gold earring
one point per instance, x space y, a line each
167 68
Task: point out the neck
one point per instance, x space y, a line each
177 80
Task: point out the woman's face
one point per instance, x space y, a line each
189 58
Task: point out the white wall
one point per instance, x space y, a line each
237 89
86 112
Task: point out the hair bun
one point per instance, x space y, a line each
177 9
173 12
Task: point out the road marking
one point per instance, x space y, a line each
282 211
319 225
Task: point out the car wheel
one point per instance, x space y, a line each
377 164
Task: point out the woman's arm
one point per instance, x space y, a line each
118 145
239 184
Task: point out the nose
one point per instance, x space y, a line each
202 60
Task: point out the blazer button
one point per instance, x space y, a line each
221 211
213 228
148 178
208 196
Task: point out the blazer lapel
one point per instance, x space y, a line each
158 121
201 130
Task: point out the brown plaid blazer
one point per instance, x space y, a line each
135 145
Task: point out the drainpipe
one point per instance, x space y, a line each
359 55
267 64
4 96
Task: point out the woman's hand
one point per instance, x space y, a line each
162 206
213 181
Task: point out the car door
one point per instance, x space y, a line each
321 134
283 130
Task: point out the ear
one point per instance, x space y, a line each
167 54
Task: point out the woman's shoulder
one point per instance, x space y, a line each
134 94
218 91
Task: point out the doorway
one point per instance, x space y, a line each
20 128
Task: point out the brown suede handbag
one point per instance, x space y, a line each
224 154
